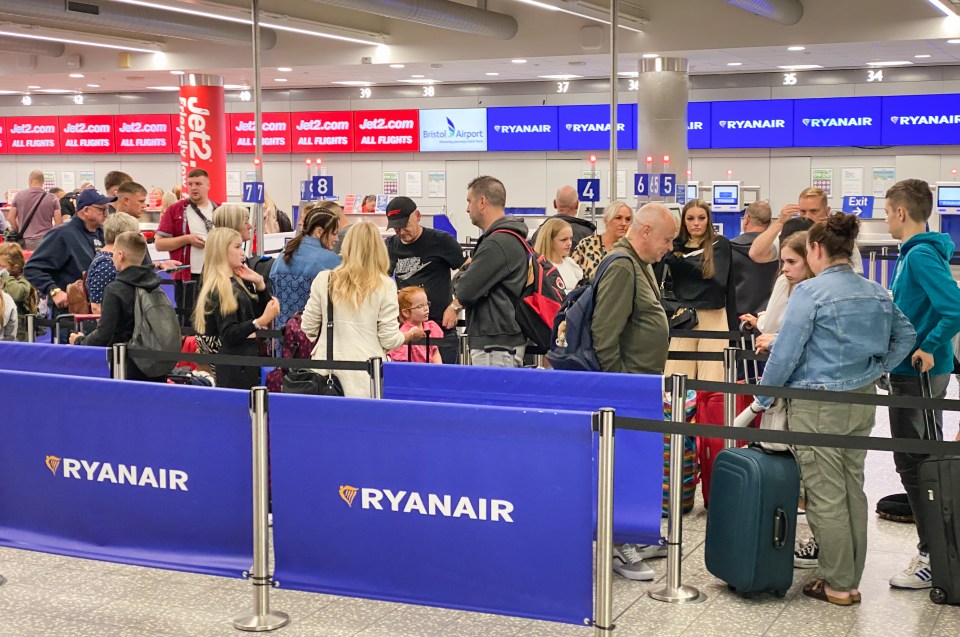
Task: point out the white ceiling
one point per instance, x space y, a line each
710 33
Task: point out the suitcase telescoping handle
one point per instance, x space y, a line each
780 525
926 391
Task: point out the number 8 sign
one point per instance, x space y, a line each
323 186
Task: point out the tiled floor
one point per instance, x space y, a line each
53 596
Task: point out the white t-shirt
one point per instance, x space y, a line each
856 259
570 272
197 226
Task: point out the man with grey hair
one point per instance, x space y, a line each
34 212
567 204
491 284
753 281
630 331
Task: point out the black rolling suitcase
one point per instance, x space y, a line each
940 484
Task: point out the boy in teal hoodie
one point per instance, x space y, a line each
925 291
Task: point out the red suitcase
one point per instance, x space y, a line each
710 412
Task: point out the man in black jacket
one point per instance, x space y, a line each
753 281
489 287
117 313
567 205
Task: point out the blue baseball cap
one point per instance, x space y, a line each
90 197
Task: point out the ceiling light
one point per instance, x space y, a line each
244 96
396 66
550 7
33 86
734 63
78 99
628 74
46 38
26 100
519 61
56 91
492 74
353 83
176 72
420 81
236 87
93 86
417 76
560 77
77 75
192 11
945 9
891 63
279 79
796 48
164 88
922 57
651 56
800 67
284 69
954 41
9 92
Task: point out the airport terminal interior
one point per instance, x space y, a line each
419 97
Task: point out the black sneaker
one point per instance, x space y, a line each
806 554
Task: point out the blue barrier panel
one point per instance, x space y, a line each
140 473
44 358
638 458
468 507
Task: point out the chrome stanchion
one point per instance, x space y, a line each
119 358
464 349
872 266
884 268
675 592
729 400
376 378
262 618
31 329
603 609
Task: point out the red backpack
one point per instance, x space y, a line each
540 298
294 344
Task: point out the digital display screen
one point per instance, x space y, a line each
948 196
693 192
837 121
726 195
698 125
913 120
752 124
522 128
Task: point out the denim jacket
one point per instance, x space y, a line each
840 332
291 283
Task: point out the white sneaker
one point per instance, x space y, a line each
651 551
628 563
916 576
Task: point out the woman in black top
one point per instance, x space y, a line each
233 304
698 273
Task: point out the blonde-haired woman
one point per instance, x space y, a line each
232 215
590 251
232 305
554 240
365 308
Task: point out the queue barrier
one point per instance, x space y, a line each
45 358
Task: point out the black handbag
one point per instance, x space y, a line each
307 381
16 236
678 316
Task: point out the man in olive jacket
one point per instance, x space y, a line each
630 329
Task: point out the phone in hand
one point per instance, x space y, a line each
176 268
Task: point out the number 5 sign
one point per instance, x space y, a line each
588 189
668 184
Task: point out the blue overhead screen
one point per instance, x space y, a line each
522 128
588 127
837 121
752 124
913 120
698 125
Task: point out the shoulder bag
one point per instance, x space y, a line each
679 317
306 381
16 236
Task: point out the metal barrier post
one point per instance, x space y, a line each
675 592
872 266
31 329
603 609
119 361
376 378
464 349
884 268
262 618
729 400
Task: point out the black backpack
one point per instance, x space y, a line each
155 328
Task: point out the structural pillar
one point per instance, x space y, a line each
662 95
203 131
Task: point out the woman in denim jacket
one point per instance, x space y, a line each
841 333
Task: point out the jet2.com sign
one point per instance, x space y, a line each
453 130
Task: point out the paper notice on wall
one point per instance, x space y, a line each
49 179
68 180
822 178
851 181
414 183
391 182
883 179
86 179
233 184
436 185
621 184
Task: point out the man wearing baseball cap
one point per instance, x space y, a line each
67 250
425 257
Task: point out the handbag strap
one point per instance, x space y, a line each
329 320
196 209
26 220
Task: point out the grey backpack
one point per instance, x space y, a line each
155 328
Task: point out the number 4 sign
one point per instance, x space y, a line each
588 189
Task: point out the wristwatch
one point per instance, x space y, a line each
455 306
54 291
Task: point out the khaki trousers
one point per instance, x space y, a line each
711 321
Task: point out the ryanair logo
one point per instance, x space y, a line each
837 122
914 120
488 510
752 123
96 471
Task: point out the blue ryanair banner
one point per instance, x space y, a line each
443 505
638 455
139 473
44 358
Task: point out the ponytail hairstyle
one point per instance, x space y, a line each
318 218
708 269
837 235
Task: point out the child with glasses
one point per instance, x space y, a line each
415 312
